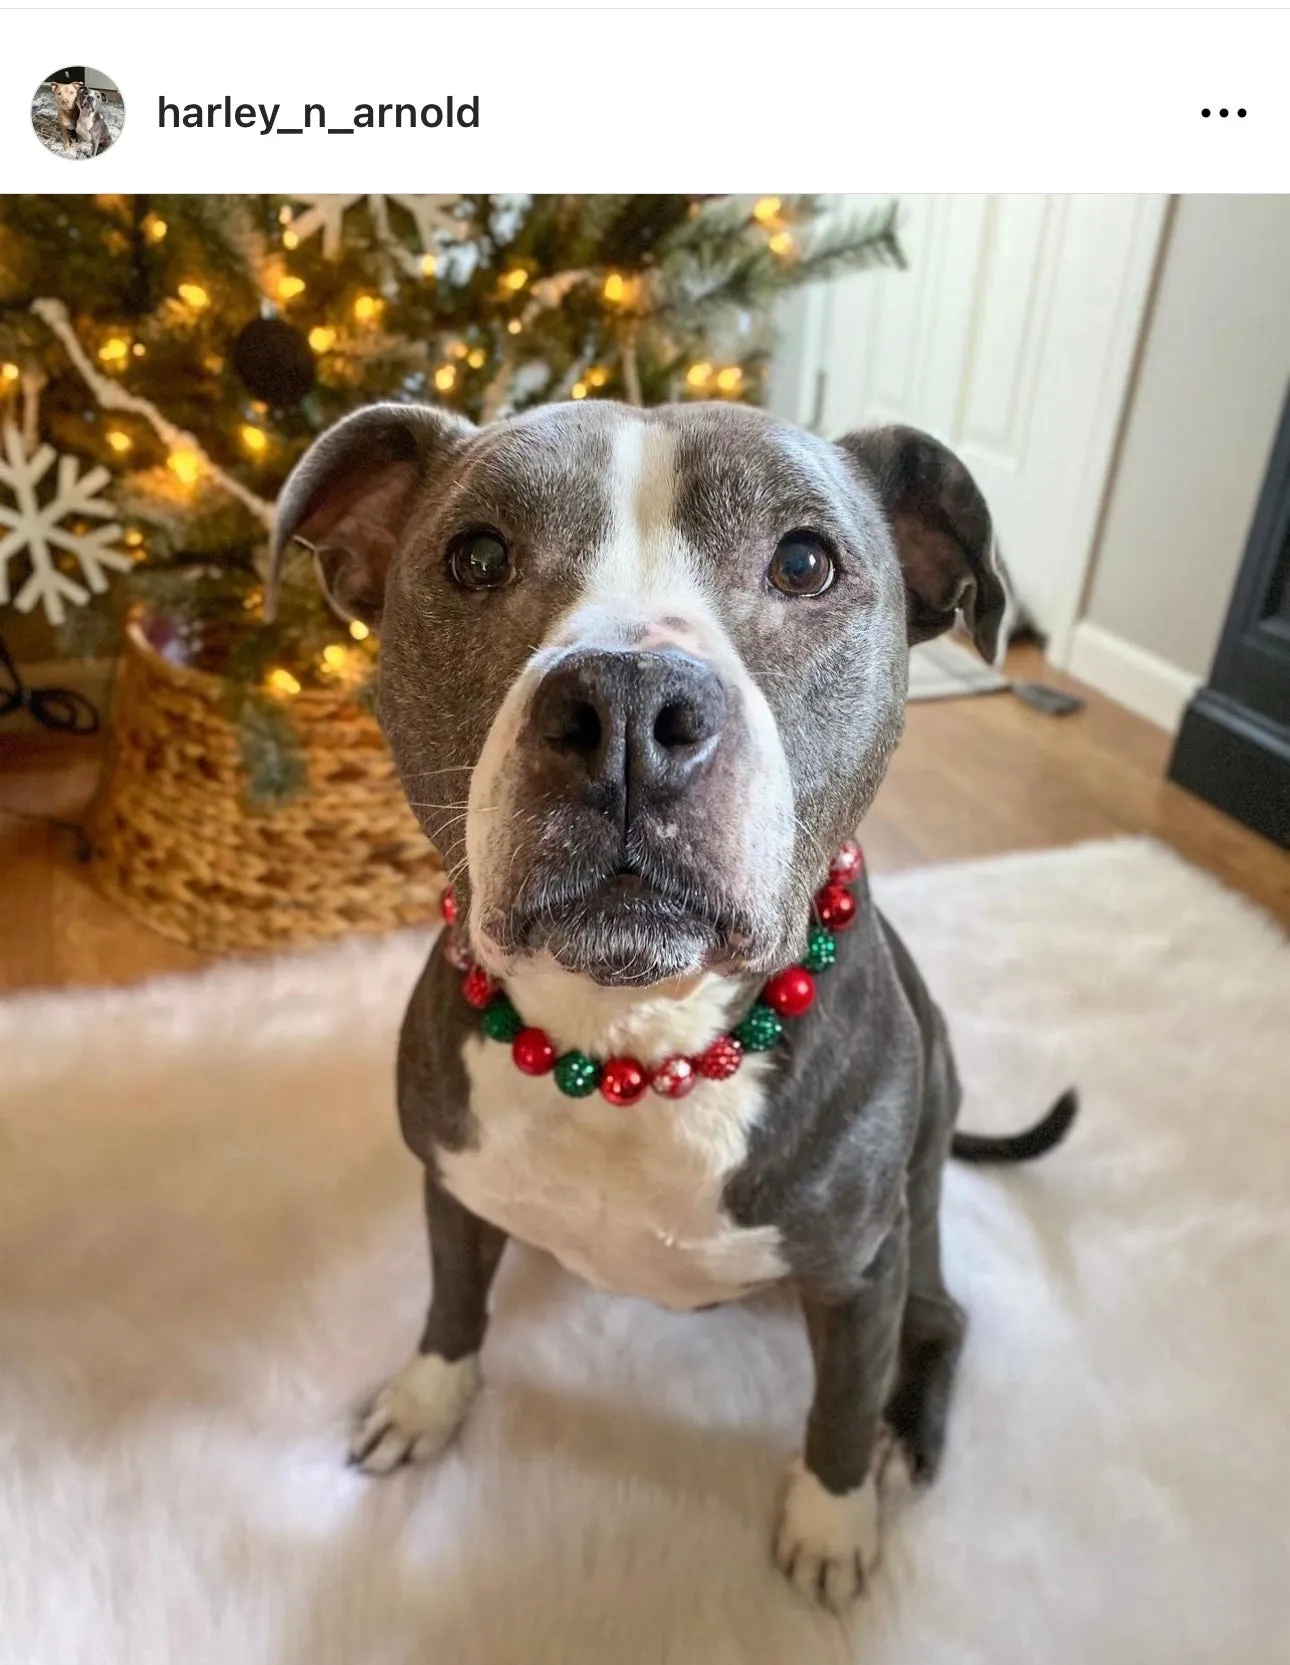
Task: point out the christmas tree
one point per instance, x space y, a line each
176 355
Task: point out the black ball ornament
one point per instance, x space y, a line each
274 362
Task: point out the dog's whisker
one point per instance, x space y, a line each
807 833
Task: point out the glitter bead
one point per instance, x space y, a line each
448 906
759 1030
576 1075
501 1022
721 1059
836 907
622 1080
673 1078
478 988
846 865
821 949
456 953
790 992
533 1052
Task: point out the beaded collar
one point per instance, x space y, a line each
622 1081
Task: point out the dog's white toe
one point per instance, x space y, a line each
828 1544
416 1413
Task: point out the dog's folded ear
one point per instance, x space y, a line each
350 495
943 533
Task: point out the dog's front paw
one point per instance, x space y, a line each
828 1543
416 1413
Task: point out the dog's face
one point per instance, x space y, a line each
91 104
641 671
66 96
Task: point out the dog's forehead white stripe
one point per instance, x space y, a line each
644 571
644 491
644 561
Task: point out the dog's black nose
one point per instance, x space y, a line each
636 728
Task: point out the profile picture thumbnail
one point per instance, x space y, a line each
77 112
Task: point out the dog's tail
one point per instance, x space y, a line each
1019 1147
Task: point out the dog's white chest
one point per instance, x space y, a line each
628 1199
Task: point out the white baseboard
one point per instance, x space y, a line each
1142 681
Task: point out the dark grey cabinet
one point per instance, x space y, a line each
1233 748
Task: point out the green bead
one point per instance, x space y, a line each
501 1022
576 1075
821 948
759 1030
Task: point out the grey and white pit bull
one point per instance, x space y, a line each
91 124
642 673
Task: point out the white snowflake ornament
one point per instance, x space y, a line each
432 217
38 528
325 214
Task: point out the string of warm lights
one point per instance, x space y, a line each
335 664
769 213
620 291
704 374
187 459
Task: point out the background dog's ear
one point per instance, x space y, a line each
944 535
350 496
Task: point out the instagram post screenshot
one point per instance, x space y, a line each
644 836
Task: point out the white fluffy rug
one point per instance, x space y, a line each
210 1247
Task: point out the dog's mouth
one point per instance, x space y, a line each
629 928
626 934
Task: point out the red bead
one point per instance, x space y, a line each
846 865
478 988
622 1080
448 905
674 1077
721 1060
790 992
836 907
533 1052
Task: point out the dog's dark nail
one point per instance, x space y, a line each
359 1457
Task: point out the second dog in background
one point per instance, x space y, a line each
67 104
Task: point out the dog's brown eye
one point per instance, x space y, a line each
480 560
802 565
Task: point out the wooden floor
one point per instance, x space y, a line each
973 777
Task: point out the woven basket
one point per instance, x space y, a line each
176 844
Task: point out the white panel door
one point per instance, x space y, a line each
1011 336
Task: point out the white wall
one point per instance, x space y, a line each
1012 335
1213 371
